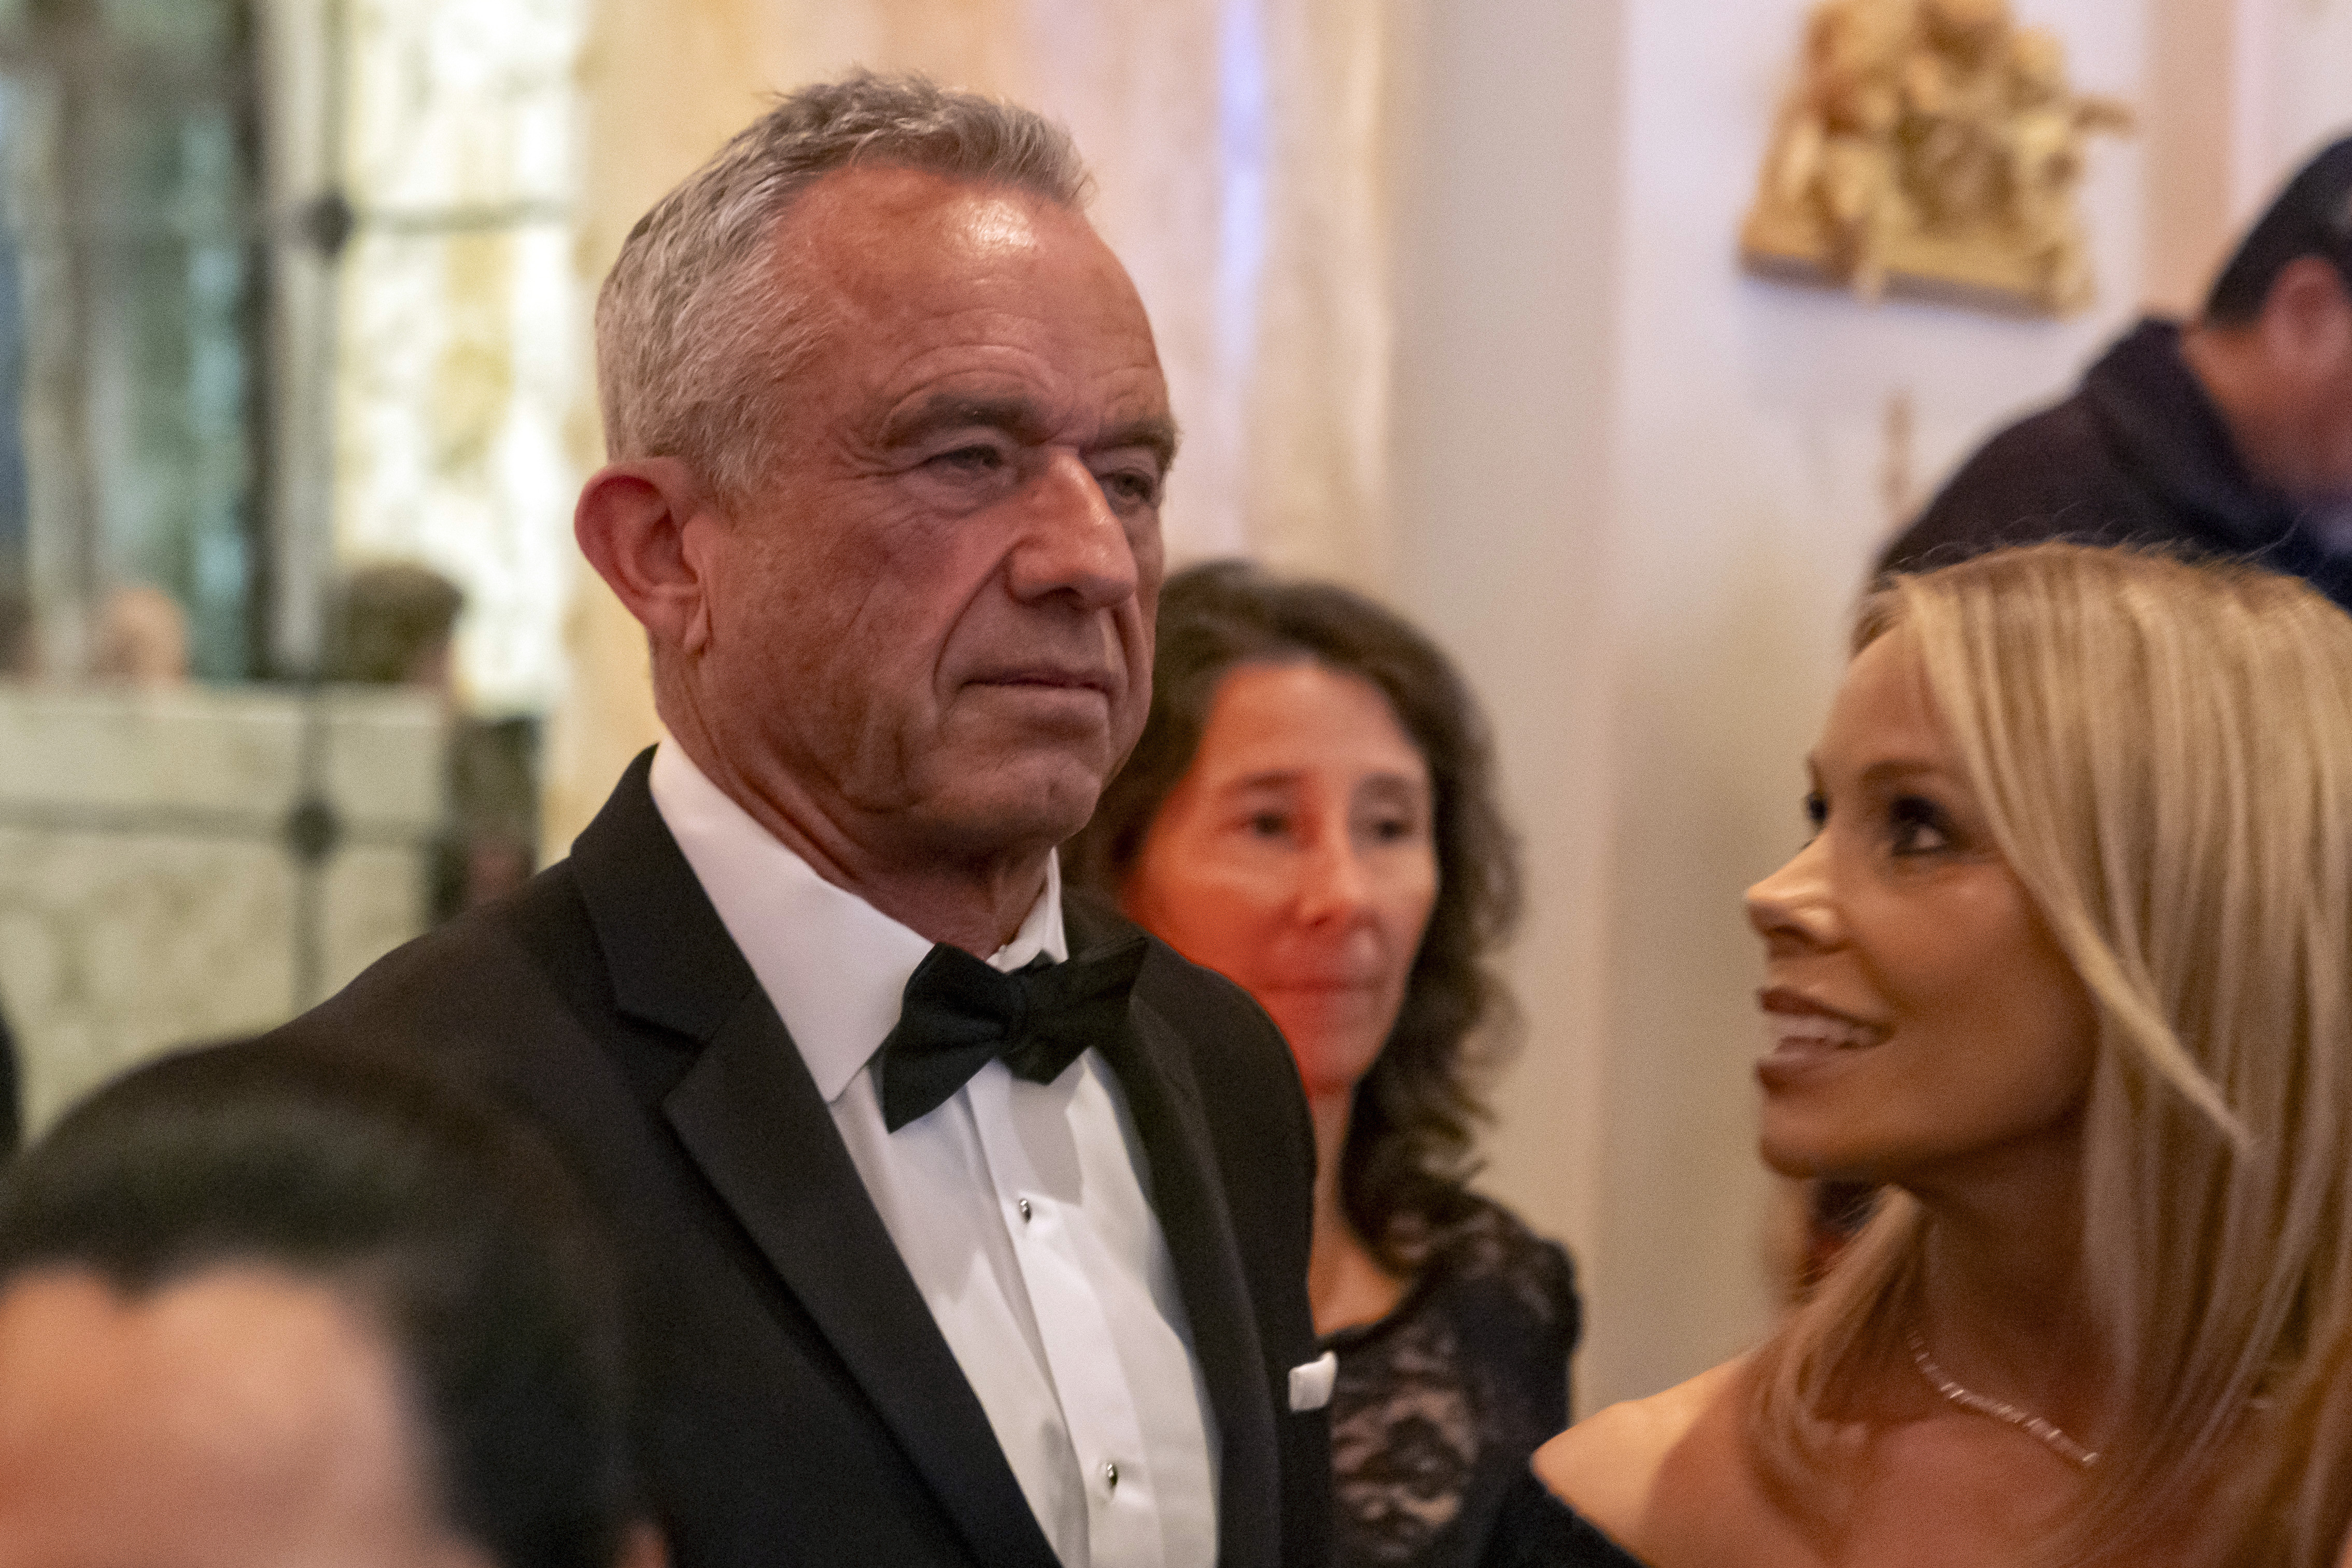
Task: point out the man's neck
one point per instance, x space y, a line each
2228 363
975 901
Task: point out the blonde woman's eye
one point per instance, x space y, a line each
1918 827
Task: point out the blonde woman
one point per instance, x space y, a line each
2065 964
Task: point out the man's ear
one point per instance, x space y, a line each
2307 315
644 525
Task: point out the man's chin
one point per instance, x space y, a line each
1012 809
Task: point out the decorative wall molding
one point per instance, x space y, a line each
187 865
1932 148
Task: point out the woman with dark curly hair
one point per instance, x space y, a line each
1310 811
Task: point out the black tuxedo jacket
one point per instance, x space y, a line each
797 1403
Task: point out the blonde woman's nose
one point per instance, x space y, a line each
1794 900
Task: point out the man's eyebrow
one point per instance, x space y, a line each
1156 433
1021 419
1016 416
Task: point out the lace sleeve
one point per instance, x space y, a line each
1439 1405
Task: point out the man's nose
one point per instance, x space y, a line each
1794 901
1072 541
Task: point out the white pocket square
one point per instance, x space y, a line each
1311 1385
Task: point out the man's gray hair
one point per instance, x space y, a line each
694 336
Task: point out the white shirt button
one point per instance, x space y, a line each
1110 1474
1023 1207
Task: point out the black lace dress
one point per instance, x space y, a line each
1439 1405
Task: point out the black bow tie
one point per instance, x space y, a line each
960 1014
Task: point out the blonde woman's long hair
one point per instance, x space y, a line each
2164 752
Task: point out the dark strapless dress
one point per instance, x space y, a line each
1536 1530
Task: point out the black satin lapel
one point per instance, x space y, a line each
1150 1063
749 1113
670 958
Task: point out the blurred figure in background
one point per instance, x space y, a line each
267 1309
142 639
2231 437
19 660
1310 811
12 1094
394 623
20 642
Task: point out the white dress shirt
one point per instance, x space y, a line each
1019 1207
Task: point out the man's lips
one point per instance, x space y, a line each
1050 679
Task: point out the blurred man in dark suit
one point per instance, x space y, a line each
2231 436
967 1226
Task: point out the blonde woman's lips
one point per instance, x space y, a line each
1803 1035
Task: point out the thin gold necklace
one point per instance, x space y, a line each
1967 1398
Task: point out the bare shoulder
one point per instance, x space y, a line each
1607 1466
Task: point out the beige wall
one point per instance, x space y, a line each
2236 95
1508 278
663 84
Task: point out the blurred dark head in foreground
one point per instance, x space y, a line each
263 1306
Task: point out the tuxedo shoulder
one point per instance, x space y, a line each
1176 979
523 953
1203 1007
1216 1017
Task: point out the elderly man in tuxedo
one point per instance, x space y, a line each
967 1226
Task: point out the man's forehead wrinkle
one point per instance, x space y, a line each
917 326
949 303
887 247
879 253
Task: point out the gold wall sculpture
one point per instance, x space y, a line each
1931 147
